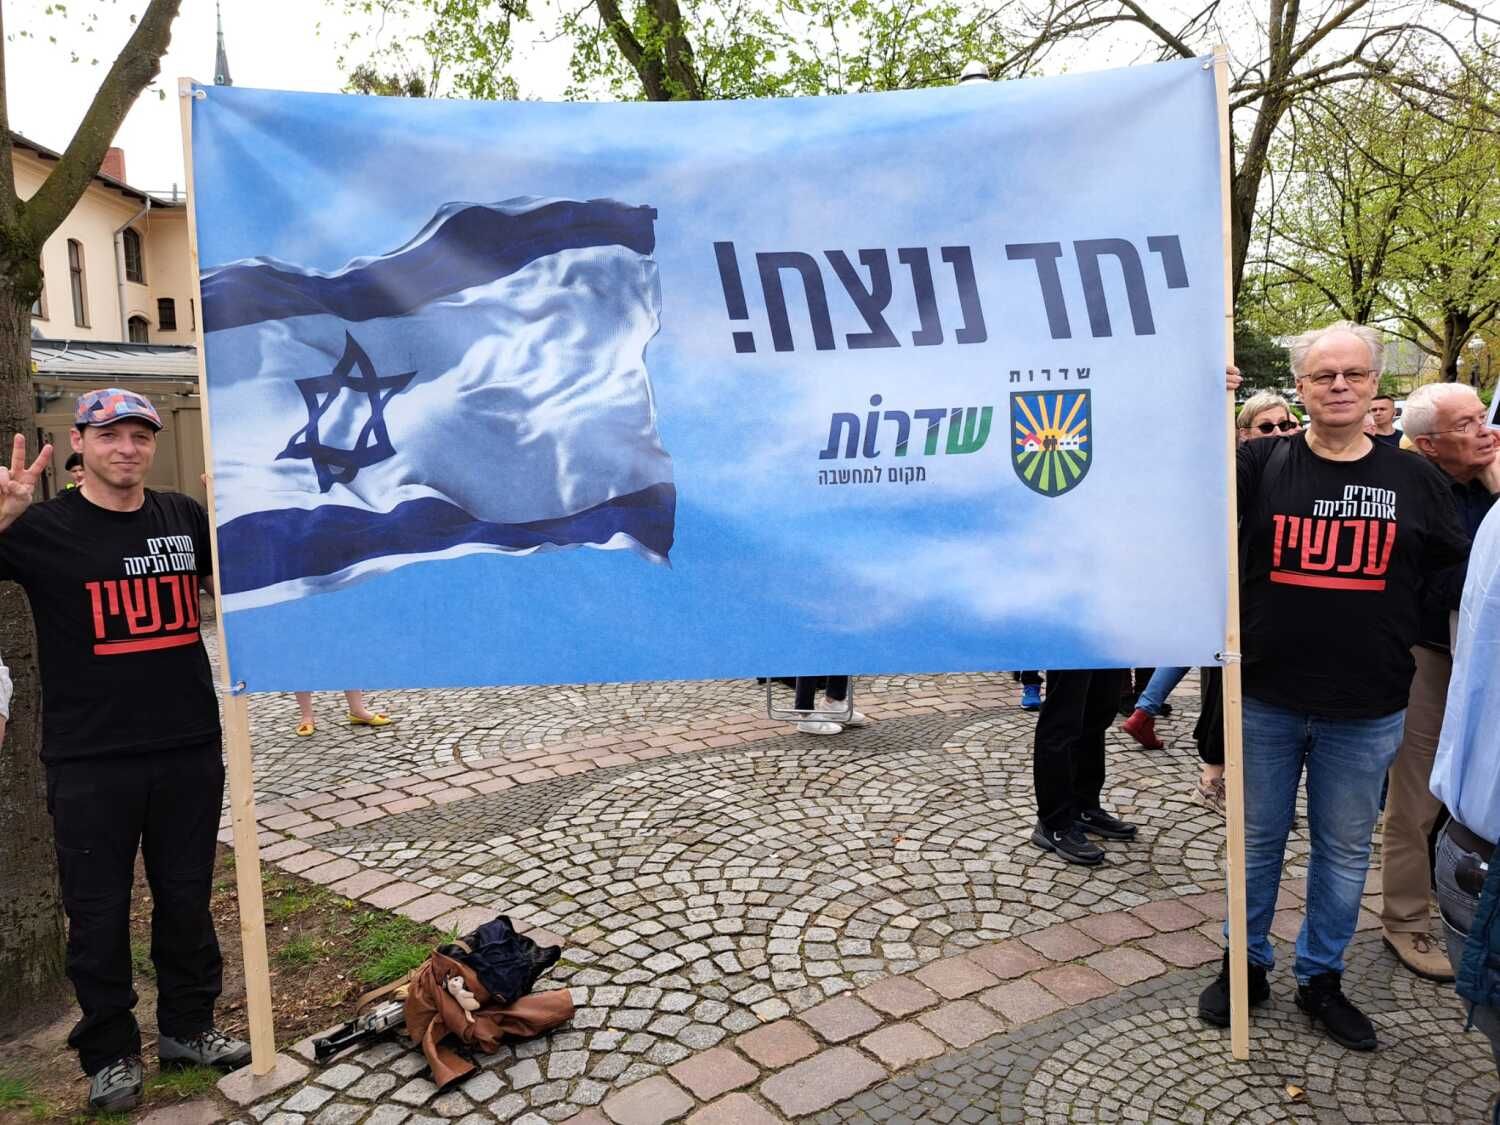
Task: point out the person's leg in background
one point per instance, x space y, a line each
1456 907
1346 766
1059 729
1209 736
1088 757
1151 704
1031 691
1410 813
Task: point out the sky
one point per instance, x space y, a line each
772 572
273 44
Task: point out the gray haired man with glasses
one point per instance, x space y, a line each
1339 535
1446 423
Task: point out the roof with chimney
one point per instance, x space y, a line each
49 155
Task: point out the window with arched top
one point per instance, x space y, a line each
140 331
135 257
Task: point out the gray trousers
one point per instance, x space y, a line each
1457 908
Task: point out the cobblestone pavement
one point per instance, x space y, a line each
764 926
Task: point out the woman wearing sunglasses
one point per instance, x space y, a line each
1266 415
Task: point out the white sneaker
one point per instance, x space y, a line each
858 719
810 727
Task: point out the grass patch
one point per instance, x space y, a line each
185 1083
389 946
140 959
16 1093
288 904
299 951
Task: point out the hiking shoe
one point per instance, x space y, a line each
812 726
1322 998
1213 1002
1211 794
1031 697
1141 726
117 1087
207 1048
1100 823
1071 844
1419 953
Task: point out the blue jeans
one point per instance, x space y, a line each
1457 906
1163 680
1346 761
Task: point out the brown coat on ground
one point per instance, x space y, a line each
432 1014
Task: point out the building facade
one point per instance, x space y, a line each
118 308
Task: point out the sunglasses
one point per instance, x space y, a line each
1271 427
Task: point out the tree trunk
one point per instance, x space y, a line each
31 922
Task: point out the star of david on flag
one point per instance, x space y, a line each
481 389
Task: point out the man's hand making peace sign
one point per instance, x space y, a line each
18 483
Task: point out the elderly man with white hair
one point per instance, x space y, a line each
1446 424
1338 536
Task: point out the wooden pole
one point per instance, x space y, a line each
1234 773
236 710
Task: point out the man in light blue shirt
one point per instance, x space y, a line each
1466 778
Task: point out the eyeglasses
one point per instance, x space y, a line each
1355 377
1271 427
1469 426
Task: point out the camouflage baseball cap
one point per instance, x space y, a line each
114 404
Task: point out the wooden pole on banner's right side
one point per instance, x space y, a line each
1234 773
236 711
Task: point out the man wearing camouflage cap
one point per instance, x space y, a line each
130 734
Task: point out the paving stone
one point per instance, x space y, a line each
814 1084
428 907
1061 943
1184 949
651 1102
961 1022
1113 928
417 1091
736 1109
898 996
306 1100
1007 959
372 1086
714 1072
955 977
527 1072
1126 966
1075 984
1168 915
198 1112
387 1115
901 1044
242 1087
841 1018
777 1044
340 1113
482 1086
1020 1001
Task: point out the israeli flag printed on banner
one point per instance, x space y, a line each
481 389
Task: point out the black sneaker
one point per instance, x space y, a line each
1100 823
1165 711
1213 1002
1322 998
117 1087
1071 844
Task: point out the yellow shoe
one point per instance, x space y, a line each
305 729
375 720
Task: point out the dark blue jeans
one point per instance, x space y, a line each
1345 761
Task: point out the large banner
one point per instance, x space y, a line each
530 393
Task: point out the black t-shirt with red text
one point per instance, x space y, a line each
115 600
1334 556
